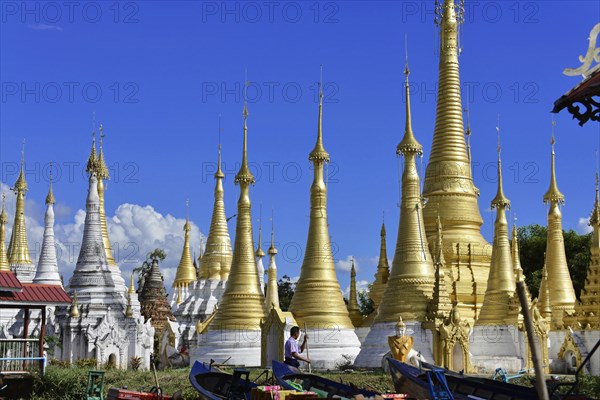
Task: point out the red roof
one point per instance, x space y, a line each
9 282
34 293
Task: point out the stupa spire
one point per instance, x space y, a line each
560 286
92 163
243 302
47 269
272 295
383 271
217 252
4 265
544 294
501 282
353 309
441 304
102 174
448 185
412 268
318 282
260 268
201 267
18 249
186 273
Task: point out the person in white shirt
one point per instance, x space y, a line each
293 350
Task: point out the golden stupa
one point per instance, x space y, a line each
448 186
410 284
4 265
243 304
501 282
217 252
18 249
272 294
353 310
102 174
318 300
383 272
560 287
186 272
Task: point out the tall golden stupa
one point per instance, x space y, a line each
410 284
318 299
242 306
501 282
560 287
448 187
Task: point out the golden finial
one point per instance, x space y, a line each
187 227
21 183
595 217
3 216
259 250
245 175
131 286
353 309
409 143
102 169
319 154
500 201
4 264
93 158
74 310
50 196
553 195
219 174
129 309
186 272
272 249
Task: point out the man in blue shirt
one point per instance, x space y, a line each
293 350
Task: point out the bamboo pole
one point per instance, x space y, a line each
540 384
307 354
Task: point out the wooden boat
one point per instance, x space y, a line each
290 378
413 380
214 384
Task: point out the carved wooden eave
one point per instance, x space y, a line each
583 101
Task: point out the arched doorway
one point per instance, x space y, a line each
458 361
112 361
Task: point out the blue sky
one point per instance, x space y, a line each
158 74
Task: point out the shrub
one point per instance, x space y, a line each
135 363
86 363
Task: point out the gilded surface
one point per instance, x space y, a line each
318 299
272 295
501 282
243 302
412 272
353 309
18 249
383 273
217 252
4 265
560 286
186 273
448 182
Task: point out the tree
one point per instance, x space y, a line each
365 303
532 246
285 289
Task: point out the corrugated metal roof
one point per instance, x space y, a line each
33 293
9 282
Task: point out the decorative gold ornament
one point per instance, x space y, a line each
186 273
272 295
400 345
18 249
74 309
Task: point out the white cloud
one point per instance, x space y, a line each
134 231
346 264
583 227
361 286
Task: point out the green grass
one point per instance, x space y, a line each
70 383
